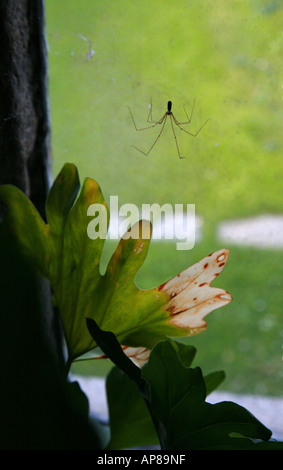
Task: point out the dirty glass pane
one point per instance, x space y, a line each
106 56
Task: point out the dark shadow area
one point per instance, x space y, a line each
39 409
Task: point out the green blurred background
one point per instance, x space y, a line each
106 55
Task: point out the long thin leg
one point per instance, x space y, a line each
191 115
148 127
176 141
150 119
194 135
159 122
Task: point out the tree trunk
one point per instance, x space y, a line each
24 111
25 159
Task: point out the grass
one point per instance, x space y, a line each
229 56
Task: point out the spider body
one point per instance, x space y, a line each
169 107
162 121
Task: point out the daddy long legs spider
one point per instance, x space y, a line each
162 122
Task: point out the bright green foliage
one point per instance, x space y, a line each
70 260
178 397
131 424
175 396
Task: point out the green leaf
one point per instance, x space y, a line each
131 424
213 380
26 226
186 354
61 198
77 398
69 258
178 401
185 351
175 396
131 421
108 343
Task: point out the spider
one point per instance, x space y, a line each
163 122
